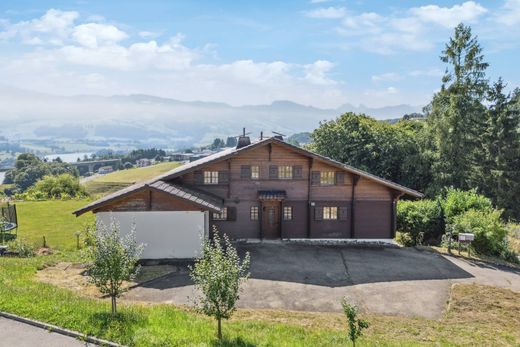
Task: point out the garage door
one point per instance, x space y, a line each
166 235
373 219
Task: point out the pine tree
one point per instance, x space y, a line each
499 168
456 114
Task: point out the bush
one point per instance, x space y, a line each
490 232
420 221
64 187
458 201
23 248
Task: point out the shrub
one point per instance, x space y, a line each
458 201
490 232
23 248
419 221
61 187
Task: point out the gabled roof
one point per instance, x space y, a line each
203 199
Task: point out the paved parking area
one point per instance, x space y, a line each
14 333
316 278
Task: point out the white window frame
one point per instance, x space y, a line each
287 215
220 216
256 214
210 177
327 178
330 212
255 172
285 172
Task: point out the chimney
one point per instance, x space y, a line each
261 135
243 140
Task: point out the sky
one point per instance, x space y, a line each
323 53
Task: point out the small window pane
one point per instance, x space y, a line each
254 213
287 213
330 212
285 172
327 178
255 172
210 177
220 216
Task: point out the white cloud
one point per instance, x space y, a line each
327 12
449 17
385 77
392 90
318 1
317 72
52 27
426 73
148 34
510 13
94 34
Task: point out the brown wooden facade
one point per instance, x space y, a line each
293 194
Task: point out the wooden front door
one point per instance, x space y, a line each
271 220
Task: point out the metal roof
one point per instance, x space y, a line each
230 152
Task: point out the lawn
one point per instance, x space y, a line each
476 315
117 180
52 219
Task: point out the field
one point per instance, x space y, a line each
52 219
106 184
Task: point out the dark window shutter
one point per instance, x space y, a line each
315 178
223 177
340 178
273 171
198 176
245 171
343 213
318 213
231 213
297 171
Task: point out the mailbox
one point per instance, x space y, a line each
466 237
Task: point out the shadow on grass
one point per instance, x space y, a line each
236 342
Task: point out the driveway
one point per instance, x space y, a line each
19 334
316 278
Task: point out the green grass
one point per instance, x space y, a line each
477 315
52 219
120 179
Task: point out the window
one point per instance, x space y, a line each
210 177
287 213
285 172
327 178
253 213
330 212
220 216
255 172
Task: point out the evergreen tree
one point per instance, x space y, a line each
499 167
456 114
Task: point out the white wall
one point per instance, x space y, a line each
166 234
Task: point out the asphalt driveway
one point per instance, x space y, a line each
316 278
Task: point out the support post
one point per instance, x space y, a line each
355 179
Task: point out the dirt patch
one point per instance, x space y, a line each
74 277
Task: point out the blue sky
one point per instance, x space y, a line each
317 52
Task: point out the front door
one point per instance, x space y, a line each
271 220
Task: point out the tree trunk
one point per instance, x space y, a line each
114 306
219 331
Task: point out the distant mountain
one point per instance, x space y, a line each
157 121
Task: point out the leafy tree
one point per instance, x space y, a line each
456 114
458 201
217 143
355 325
128 165
422 220
113 260
218 274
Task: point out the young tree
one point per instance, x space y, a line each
218 274
113 260
355 325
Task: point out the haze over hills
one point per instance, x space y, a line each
157 121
